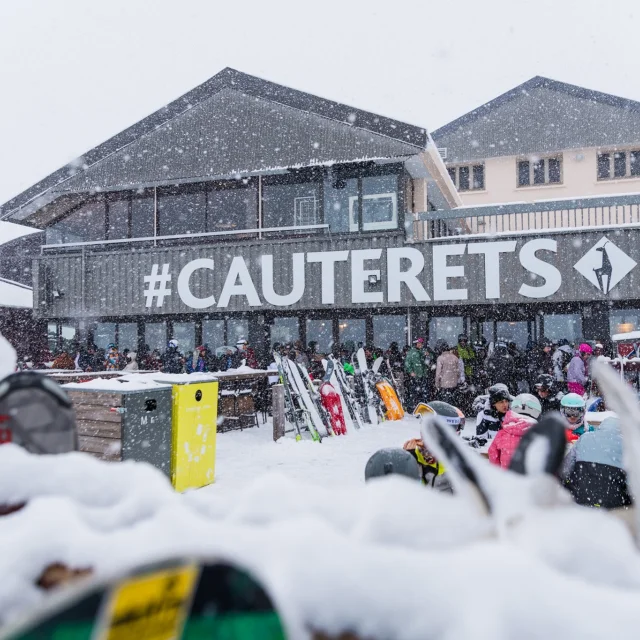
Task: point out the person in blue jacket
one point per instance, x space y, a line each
593 469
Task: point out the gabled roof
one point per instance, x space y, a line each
233 123
537 116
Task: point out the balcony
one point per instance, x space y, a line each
550 216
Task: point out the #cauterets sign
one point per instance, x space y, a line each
355 272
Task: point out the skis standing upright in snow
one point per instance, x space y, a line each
314 421
292 412
368 390
351 408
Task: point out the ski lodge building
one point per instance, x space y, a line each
248 209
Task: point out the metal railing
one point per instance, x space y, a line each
531 217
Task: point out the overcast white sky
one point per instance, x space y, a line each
75 72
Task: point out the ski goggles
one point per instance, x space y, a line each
573 413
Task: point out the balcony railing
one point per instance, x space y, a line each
549 216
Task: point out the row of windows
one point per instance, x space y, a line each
346 204
611 165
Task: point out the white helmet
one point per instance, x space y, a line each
173 343
527 405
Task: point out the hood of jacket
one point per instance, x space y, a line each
516 424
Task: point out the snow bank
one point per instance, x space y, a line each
121 384
171 378
389 559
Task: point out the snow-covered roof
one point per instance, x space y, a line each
15 295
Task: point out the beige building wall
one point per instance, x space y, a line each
579 179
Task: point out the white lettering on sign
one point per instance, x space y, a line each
395 275
532 263
268 286
442 272
360 275
238 271
492 251
328 260
184 291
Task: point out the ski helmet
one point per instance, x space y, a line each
527 405
173 343
585 348
392 462
499 392
572 406
36 413
545 382
463 336
452 415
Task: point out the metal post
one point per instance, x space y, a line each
259 207
155 215
277 410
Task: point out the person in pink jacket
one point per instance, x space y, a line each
524 412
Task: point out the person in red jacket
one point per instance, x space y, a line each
524 412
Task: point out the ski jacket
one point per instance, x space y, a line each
133 365
504 445
468 356
447 371
561 357
594 469
196 364
414 362
501 368
63 361
550 403
172 361
576 371
112 360
489 421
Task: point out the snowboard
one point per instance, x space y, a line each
350 407
362 373
314 421
393 407
179 599
332 403
314 394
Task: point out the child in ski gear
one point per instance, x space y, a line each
576 371
489 421
197 362
545 388
112 359
525 410
593 470
172 359
572 407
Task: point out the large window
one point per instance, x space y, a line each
213 333
388 329
285 330
181 211
287 204
320 332
444 329
104 334
237 328
155 336
232 208
128 336
539 171
469 177
352 332
338 194
185 334
618 164
517 332
142 215
379 203
624 321
563 326
118 216
85 224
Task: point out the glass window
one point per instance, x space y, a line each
517 332
388 329
86 224
320 332
452 174
285 330
379 203
487 332
181 212
463 177
213 333
232 209
185 334
52 336
155 336
635 163
604 166
352 333
619 165
68 338
624 320
478 176
445 329
338 194
290 204
128 336
118 219
563 325
538 172
104 334
554 170
142 217
237 328
523 173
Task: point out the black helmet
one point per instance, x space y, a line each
452 415
392 461
545 342
37 413
463 336
545 382
499 392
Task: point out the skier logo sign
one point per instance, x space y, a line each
605 265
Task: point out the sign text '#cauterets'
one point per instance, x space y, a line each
403 267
